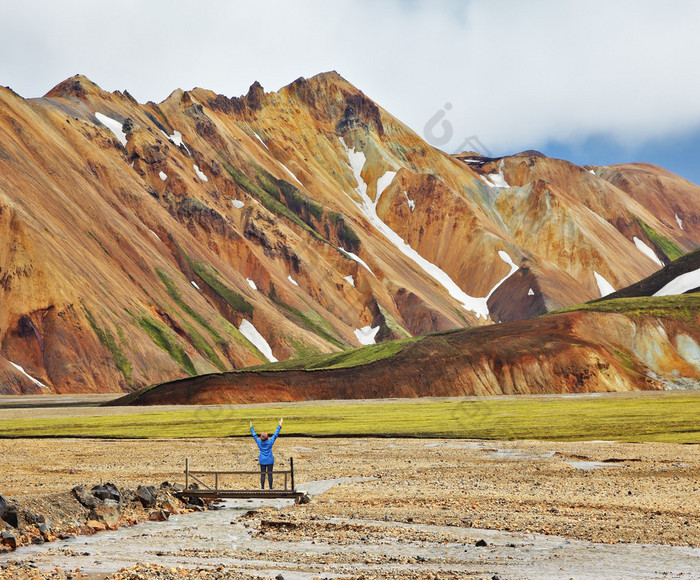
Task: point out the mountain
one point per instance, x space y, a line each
148 242
635 342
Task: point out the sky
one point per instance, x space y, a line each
594 82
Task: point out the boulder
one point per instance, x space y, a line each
45 527
159 515
107 491
146 494
8 539
108 515
85 498
11 516
8 512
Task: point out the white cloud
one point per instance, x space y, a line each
516 73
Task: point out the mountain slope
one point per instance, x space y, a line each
147 242
614 345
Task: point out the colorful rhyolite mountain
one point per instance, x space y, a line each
149 242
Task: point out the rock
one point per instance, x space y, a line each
306 498
45 527
111 503
194 508
481 544
146 494
11 516
195 501
86 499
159 516
495 577
107 491
8 539
8 513
279 577
95 526
109 515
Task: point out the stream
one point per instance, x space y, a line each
219 538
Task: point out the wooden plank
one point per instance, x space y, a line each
234 472
242 494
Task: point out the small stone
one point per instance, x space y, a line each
159 516
481 544
86 499
108 515
8 539
147 495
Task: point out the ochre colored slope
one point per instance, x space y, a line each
122 265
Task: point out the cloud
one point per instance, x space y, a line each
517 74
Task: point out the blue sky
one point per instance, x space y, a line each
591 81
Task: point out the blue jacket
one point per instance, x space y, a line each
265 447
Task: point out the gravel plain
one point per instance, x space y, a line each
414 492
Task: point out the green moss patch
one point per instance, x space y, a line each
211 278
667 247
666 416
108 341
167 340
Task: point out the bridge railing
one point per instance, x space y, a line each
219 476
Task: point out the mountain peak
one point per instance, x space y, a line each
78 86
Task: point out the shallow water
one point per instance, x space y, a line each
216 538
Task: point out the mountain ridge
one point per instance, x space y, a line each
137 238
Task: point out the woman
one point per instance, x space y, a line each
266 459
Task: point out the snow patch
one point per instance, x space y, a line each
369 209
591 171
176 138
382 183
681 284
162 176
513 268
530 292
603 285
200 174
251 284
366 334
155 234
290 173
497 179
251 333
261 141
194 284
237 203
350 280
292 280
411 203
679 221
647 251
357 259
36 382
114 126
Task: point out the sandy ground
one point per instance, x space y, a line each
637 493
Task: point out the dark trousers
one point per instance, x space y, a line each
263 470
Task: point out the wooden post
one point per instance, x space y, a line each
291 468
216 481
187 473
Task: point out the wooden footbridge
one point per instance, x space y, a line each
212 489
